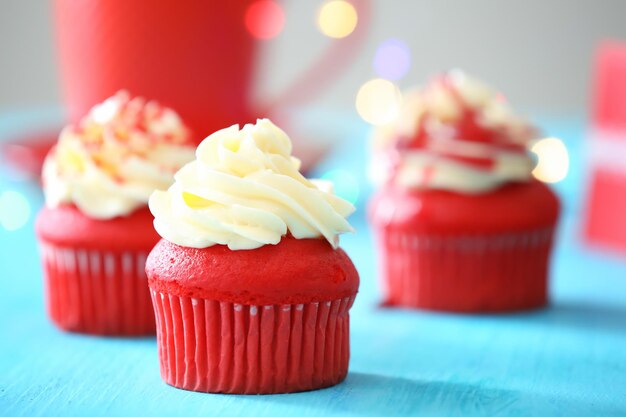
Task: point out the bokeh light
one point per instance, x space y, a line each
378 101
392 59
264 19
14 210
345 184
337 19
553 160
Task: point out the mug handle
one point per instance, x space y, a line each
327 67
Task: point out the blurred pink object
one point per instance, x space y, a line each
605 220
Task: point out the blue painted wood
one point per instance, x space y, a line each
567 360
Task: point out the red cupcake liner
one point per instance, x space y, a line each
213 346
478 273
97 292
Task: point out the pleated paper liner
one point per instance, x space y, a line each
479 273
97 292
212 346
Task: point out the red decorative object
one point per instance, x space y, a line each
606 205
198 57
193 56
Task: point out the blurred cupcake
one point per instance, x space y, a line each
461 224
95 230
250 291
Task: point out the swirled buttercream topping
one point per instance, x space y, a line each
455 134
111 161
244 190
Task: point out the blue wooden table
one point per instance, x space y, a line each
568 359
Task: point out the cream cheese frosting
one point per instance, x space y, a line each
244 190
116 156
456 134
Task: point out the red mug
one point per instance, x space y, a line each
195 56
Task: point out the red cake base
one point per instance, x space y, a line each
213 346
464 253
466 274
264 321
94 271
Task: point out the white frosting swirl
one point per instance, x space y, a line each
244 190
421 170
110 163
444 158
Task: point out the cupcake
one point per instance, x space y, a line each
95 230
460 223
250 290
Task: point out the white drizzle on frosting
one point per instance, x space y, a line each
245 190
109 164
439 162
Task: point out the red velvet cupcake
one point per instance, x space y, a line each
96 230
250 291
461 224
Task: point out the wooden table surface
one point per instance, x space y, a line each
566 360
